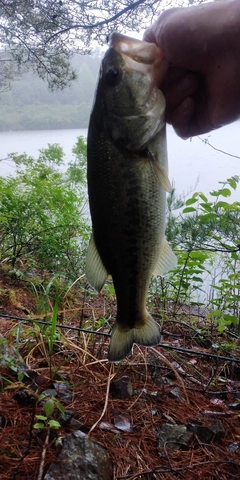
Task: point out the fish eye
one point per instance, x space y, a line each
113 76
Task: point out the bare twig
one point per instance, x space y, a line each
206 141
167 362
110 377
92 332
178 469
41 466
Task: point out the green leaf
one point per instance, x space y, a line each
198 255
20 376
208 217
226 192
230 319
41 417
39 425
232 182
197 279
49 407
189 209
190 201
206 206
221 327
216 193
42 396
236 205
224 205
202 196
53 326
54 424
234 276
216 287
60 407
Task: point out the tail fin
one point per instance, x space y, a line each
123 340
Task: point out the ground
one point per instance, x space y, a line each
192 379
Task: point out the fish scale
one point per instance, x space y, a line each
127 183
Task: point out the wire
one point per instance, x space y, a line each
66 327
163 345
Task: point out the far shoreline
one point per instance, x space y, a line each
43 129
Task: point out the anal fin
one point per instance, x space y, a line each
96 273
167 260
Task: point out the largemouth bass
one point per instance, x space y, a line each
127 183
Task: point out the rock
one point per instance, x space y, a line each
76 425
233 447
81 459
121 388
177 394
66 417
234 406
169 419
24 398
122 421
46 394
207 433
63 392
174 436
10 357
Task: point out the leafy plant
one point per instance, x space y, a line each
45 421
77 169
222 319
48 299
187 278
41 212
206 230
226 294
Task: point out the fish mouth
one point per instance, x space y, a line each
147 56
138 50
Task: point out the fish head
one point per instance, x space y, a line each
133 105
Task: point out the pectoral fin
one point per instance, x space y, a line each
167 260
96 273
162 177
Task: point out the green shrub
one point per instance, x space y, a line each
42 220
206 237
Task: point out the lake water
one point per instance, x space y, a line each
190 161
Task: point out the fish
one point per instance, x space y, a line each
127 175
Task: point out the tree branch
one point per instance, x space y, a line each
106 21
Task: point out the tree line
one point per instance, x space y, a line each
31 105
42 36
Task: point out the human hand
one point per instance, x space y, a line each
202 44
